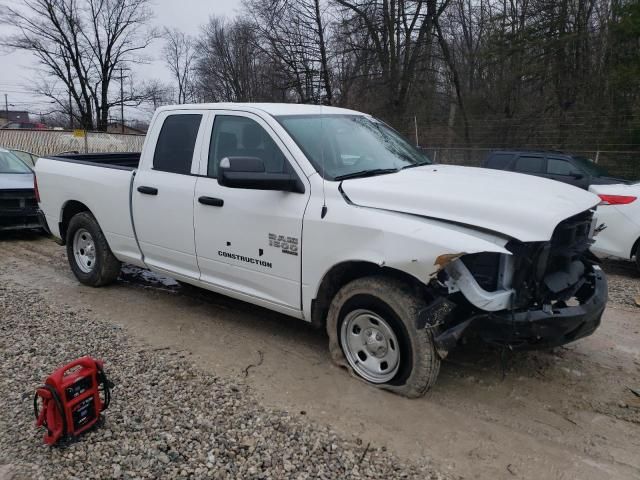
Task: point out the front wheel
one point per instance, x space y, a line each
372 327
89 255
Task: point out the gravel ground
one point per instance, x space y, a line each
167 418
624 282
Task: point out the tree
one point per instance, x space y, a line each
400 36
293 34
155 94
231 66
180 55
83 45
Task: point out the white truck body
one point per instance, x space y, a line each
275 248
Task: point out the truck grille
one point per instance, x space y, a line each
571 236
548 272
566 256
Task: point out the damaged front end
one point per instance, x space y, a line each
543 295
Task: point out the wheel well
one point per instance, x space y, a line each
70 209
341 274
634 249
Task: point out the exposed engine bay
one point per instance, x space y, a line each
543 294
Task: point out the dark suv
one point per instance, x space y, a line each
571 169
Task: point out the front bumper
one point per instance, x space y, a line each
547 328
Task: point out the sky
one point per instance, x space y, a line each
17 69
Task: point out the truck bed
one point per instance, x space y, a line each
122 161
99 183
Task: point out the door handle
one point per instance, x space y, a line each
214 202
148 190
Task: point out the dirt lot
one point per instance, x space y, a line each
563 414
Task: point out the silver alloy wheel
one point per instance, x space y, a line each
370 346
84 250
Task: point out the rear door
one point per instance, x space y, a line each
163 192
248 241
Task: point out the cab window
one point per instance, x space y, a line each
234 136
176 143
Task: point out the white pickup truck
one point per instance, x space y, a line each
330 216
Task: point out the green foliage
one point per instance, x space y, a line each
625 58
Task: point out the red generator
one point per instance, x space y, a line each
72 399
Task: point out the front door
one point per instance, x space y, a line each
564 171
248 240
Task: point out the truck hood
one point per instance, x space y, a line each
16 181
523 207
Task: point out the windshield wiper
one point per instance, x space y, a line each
366 173
413 165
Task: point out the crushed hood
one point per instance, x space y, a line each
523 207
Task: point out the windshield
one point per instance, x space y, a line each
590 167
341 146
26 157
9 163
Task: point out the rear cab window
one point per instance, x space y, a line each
529 164
176 143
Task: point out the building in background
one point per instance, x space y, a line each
13 116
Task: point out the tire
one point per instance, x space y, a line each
395 306
638 257
89 255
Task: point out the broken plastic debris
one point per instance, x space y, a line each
446 258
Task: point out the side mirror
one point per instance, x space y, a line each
250 173
242 164
577 175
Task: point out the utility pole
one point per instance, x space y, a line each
415 124
70 111
6 105
122 99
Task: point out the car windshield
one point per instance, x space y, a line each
591 168
342 146
9 163
26 157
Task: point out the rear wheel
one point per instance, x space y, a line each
89 255
638 257
372 327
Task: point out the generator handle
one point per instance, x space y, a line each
86 362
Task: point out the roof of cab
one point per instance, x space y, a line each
274 109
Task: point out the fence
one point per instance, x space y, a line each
50 142
623 164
